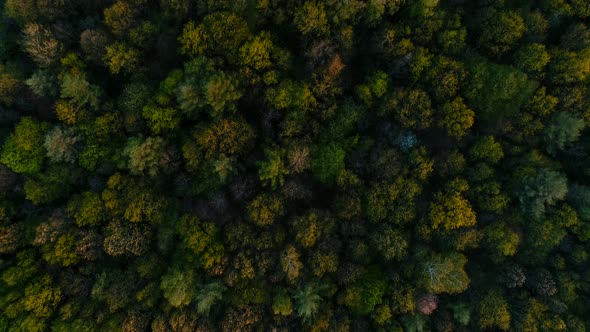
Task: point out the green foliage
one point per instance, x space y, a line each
486 148
250 165
121 58
496 91
457 118
445 274
202 239
265 209
493 311
179 286
363 296
311 17
79 91
41 297
23 150
537 191
532 59
328 162
563 129
308 300
282 304
273 170
161 119
88 209
144 154
207 296
501 31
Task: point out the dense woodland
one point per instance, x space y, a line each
282 165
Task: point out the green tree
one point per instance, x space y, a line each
328 162
179 286
161 119
23 150
445 274
87 208
308 300
542 188
532 59
120 58
564 128
273 170
42 297
144 154
265 209
203 239
501 31
311 17
486 148
457 118
282 304
493 311
222 92
208 295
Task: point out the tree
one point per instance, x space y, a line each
226 136
486 148
570 67
144 154
41 297
291 264
120 17
311 17
22 11
178 286
41 45
8 86
220 33
282 304
79 91
445 274
451 211
208 295
362 297
496 91
328 162
222 92
202 239
120 58
493 311
265 209
390 243
256 53
124 238
308 299
412 108
43 83
273 170
564 129
457 118
87 208
161 119
61 145
532 59
501 31
23 150
543 188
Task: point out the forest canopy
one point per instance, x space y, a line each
294 165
